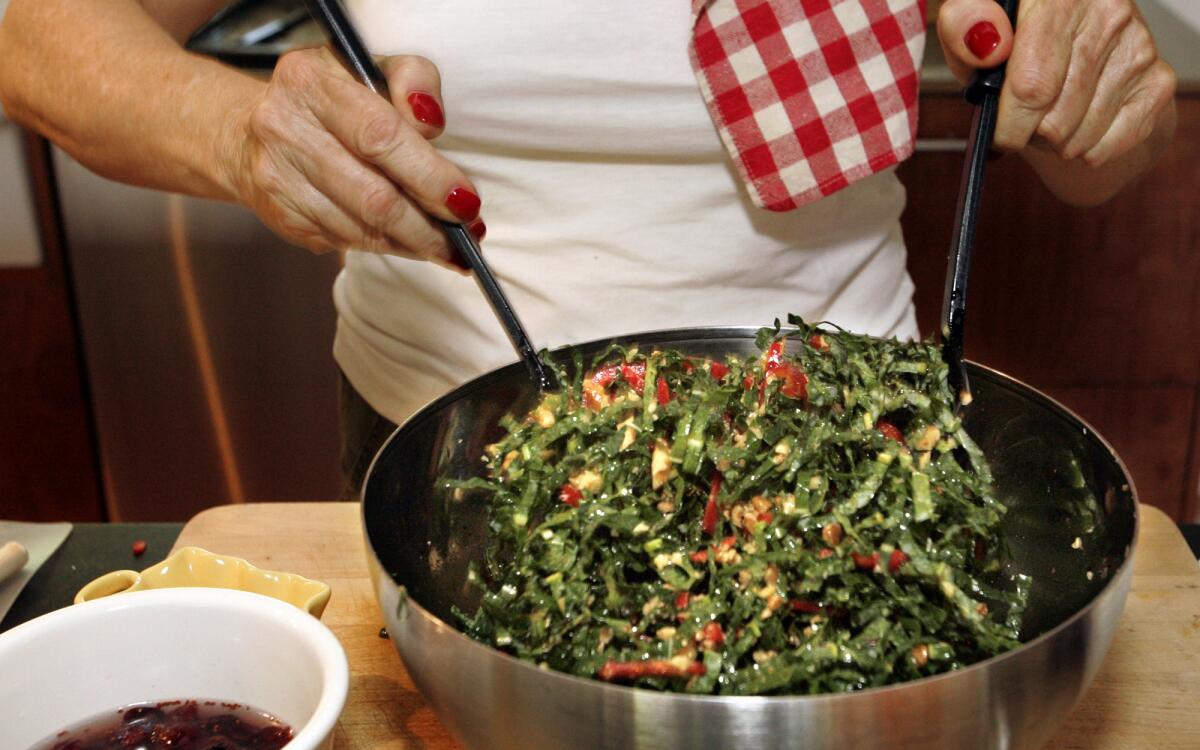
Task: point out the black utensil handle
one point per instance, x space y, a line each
463 241
331 16
984 92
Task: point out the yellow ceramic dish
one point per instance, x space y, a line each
195 567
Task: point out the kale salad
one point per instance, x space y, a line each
813 519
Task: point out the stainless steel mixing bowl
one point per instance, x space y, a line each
1047 463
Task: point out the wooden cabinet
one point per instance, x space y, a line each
48 465
1098 307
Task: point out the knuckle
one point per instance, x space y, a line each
296 69
381 206
435 247
1095 158
373 241
1052 131
265 174
1144 54
1165 81
1115 15
1034 88
425 244
429 177
378 135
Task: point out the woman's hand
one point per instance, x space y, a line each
329 165
1086 97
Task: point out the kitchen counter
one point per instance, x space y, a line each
91 550
1144 695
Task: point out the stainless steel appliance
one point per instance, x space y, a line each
207 341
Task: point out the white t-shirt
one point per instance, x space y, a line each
611 205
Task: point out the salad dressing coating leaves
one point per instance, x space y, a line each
814 519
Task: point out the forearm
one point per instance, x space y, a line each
108 84
1076 182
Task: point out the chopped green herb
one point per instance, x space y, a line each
814 519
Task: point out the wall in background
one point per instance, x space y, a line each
1186 10
1098 307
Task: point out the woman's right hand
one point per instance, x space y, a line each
329 165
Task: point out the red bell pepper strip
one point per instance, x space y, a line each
774 357
890 431
795 383
569 495
664 392
632 670
896 560
718 370
606 375
681 600
699 556
709 525
806 607
713 633
635 375
865 562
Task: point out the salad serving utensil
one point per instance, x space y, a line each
349 48
984 92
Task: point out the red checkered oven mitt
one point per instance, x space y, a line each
809 95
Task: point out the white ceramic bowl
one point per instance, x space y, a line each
214 644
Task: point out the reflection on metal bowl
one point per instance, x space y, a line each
421 537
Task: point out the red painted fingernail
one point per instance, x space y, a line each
983 39
463 203
479 229
426 109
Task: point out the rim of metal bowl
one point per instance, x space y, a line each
719 332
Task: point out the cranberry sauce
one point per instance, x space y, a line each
177 725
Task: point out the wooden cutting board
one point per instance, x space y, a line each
1147 694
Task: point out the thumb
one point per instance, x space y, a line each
974 34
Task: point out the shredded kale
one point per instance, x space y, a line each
811 520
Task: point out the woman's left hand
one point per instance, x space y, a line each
1084 79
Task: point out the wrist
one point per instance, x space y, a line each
231 155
